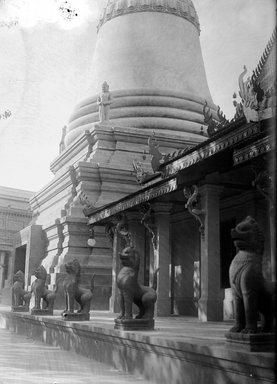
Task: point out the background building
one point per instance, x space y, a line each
15 214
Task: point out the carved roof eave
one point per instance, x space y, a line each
253 150
144 195
171 157
233 135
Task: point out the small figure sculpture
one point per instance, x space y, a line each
249 97
104 101
133 292
62 143
208 119
141 174
42 294
250 293
73 292
157 157
20 297
239 110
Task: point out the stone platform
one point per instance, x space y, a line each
179 350
259 342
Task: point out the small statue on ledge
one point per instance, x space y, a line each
133 292
104 101
250 292
44 298
73 292
20 297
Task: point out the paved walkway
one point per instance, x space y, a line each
25 361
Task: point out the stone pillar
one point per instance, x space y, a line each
137 230
115 296
2 268
273 243
162 258
210 305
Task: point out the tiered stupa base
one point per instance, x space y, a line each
100 172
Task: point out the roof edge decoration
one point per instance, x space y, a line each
258 70
181 8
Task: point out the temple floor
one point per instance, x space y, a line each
181 350
26 361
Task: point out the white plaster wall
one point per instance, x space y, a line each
150 50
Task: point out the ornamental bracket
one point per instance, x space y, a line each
193 206
148 222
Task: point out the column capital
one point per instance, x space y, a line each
162 208
133 216
212 189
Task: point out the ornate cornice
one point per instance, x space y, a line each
258 70
132 201
211 147
260 147
181 8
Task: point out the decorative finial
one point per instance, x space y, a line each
157 157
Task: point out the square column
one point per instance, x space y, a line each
210 305
115 296
2 268
162 258
137 231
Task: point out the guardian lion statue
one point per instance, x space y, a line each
133 292
251 293
20 297
44 298
73 291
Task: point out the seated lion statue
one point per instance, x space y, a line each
130 289
44 298
73 291
20 297
251 294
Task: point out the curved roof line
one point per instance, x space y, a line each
257 71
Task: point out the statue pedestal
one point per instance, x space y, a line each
20 308
252 342
42 312
134 324
75 316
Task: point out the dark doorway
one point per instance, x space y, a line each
227 251
20 259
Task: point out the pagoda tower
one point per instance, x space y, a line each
148 51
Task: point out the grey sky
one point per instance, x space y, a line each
45 72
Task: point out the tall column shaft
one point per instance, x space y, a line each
2 266
137 230
163 258
211 299
115 296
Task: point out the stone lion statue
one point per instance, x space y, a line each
251 294
20 297
133 292
44 298
73 291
